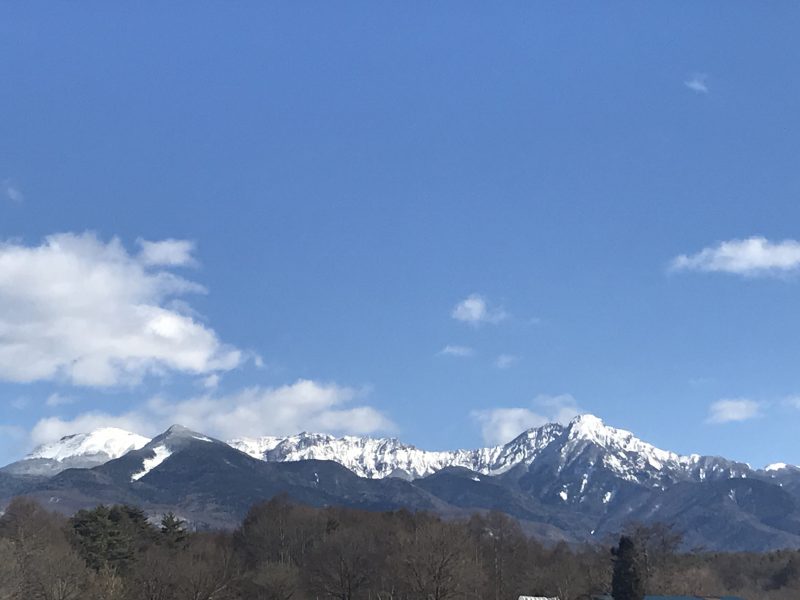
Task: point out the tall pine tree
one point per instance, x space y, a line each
173 530
628 580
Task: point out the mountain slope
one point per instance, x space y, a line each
601 468
213 484
576 482
732 514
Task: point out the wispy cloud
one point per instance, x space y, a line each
57 399
459 351
167 253
733 410
500 425
13 192
754 256
506 361
211 382
560 408
475 309
792 401
697 82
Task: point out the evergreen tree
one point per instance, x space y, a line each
111 537
627 582
173 530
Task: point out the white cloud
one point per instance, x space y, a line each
475 310
792 401
211 382
85 311
727 411
459 351
12 192
561 408
750 257
506 361
500 425
57 399
167 253
302 406
697 83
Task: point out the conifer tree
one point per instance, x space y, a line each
173 530
111 537
628 580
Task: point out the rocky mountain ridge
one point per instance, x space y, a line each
622 452
578 482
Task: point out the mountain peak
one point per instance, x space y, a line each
178 436
177 429
80 450
587 423
622 452
109 442
591 428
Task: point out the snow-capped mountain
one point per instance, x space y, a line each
585 445
631 459
601 468
137 464
81 450
574 482
377 458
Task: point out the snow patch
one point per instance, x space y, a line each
161 453
776 467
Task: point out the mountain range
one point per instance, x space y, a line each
581 481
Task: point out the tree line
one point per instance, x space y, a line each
286 551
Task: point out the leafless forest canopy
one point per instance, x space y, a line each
284 551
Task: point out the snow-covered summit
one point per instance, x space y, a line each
81 450
588 443
107 443
620 442
383 457
365 456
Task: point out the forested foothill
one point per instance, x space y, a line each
284 551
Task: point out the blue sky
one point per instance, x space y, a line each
266 217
